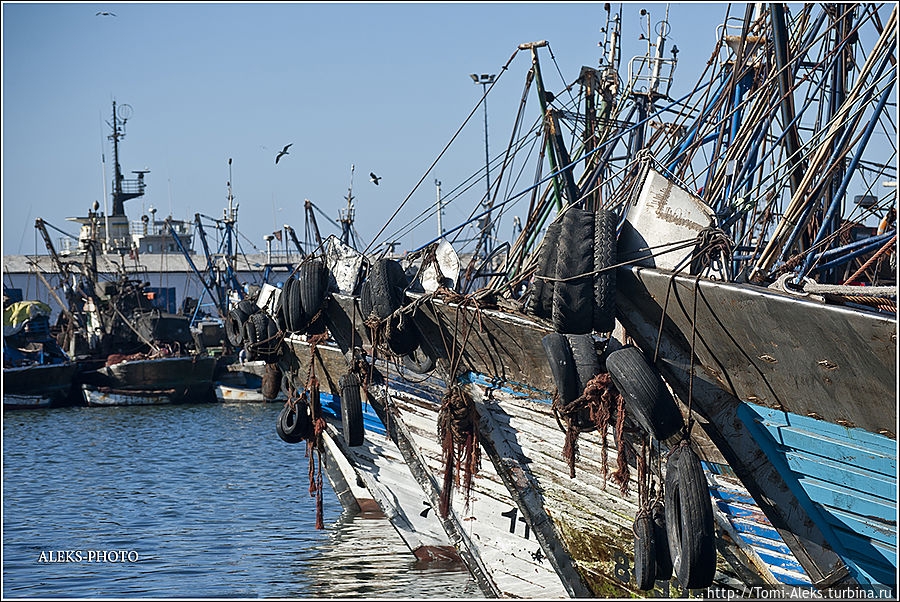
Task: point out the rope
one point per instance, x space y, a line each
872 259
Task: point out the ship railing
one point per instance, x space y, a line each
133 186
659 75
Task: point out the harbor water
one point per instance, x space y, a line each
200 500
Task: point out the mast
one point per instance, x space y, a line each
123 190
347 217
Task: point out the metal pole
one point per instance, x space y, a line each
440 209
487 159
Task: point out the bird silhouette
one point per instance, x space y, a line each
283 152
105 14
373 178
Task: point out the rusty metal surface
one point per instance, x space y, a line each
785 353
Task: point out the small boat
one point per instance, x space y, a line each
151 381
240 381
36 371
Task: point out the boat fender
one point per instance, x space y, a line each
644 551
351 409
313 279
540 303
661 541
287 387
234 328
605 222
293 309
389 284
647 399
573 295
418 361
587 366
689 520
245 309
291 421
562 366
271 382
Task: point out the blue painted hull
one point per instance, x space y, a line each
845 478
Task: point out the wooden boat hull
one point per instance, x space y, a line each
504 562
372 477
505 370
105 396
38 386
179 379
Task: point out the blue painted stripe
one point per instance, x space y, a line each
761 533
777 560
845 479
331 405
731 496
854 524
874 459
521 391
841 475
790 577
854 501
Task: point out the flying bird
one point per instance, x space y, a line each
283 152
373 178
105 13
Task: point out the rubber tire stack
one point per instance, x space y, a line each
384 292
577 249
235 320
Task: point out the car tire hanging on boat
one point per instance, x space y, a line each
644 552
661 541
647 399
562 366
689 520
540 303
605 281
351 410
573 294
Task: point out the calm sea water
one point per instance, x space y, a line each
211 500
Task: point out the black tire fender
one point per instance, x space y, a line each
403 341
540 303
351 410
644 552
389 283
689 520
418 361
313 279
573 299
293 310
647 398
562 366
661 539
245 309
234 328
605 282
290 422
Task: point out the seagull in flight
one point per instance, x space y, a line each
283 152
105 13
373 178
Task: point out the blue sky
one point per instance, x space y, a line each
381 86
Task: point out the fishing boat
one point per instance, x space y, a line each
36 372
711 259
150 380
